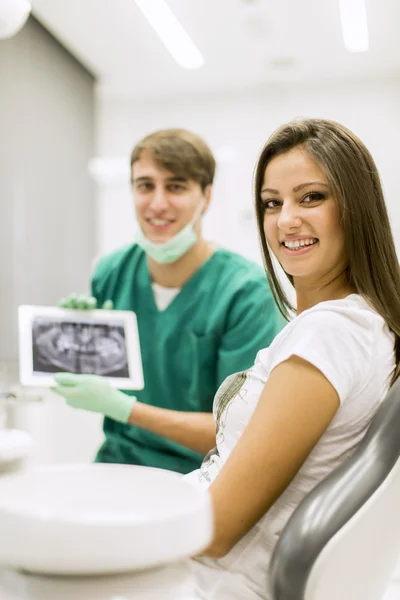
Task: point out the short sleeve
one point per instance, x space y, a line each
339 344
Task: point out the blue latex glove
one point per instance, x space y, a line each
84 303
94 393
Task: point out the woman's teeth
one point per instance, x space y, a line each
300 243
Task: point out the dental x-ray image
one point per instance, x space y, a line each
76 347
97 342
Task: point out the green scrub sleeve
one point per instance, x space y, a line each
249 329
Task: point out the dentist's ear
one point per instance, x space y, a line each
207 197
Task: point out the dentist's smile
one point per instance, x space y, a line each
159 224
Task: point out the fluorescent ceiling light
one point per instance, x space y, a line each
353 15
171 33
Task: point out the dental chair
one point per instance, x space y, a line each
343 541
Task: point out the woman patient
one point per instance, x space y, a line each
283 425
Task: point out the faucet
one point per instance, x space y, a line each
7 395
15 444
8 403
5 398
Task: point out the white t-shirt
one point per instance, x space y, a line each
353 347
163 296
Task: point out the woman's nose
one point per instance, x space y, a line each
289 218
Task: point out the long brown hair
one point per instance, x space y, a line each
373 267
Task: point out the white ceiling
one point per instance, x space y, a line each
244 43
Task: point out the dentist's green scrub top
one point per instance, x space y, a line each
214 327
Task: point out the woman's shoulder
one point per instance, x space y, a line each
348 319
342 338
351 310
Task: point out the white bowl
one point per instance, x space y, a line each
91 519
172 582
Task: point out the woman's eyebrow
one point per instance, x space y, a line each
303 185
297 188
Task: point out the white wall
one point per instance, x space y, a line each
46 219
46 194
237 124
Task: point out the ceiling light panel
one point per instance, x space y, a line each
171 33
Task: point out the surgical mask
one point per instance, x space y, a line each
176 247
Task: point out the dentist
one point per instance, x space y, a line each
203 312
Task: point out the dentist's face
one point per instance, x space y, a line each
164 203
301 217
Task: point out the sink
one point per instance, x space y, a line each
99 519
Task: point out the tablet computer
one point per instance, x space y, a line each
97 342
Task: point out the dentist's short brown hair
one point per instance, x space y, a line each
183 153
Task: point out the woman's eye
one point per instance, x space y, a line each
313 197
176 188
270 204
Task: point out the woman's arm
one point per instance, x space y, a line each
295 408
193 430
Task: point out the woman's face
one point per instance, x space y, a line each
301 218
